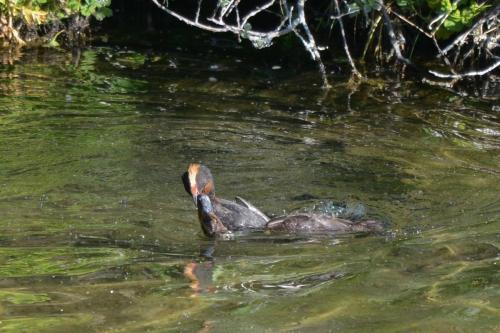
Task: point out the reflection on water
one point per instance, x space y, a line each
97 234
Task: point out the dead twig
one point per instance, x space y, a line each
395 42
344 39
469 73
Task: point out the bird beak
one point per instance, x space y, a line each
194 193
189 182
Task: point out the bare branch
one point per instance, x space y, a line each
344 39
228 8
234 16
396 45
470 73
370 35
310 43
221 26
189 21
256 11
198 11
404 19
443 56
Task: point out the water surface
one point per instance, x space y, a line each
98 235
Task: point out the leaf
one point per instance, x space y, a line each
74 5
33 16
442 6
102 13
53 42
403 3
454 22
86 11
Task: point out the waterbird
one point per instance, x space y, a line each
233 215
219 217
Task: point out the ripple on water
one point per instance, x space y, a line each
97 233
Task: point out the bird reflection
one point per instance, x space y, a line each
201 273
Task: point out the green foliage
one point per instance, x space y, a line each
33 13
411 4
460 18
42 11
459 14
98 8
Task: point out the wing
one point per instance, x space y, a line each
244 203
291 223
309 223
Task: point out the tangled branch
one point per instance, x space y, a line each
262 21
229 16
481 38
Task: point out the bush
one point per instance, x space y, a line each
25 21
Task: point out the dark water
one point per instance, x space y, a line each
98 235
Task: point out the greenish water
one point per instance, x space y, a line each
98 235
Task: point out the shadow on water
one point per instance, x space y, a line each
97 234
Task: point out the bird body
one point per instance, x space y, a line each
320 223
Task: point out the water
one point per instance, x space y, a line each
98 235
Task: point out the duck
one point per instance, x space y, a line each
237 215
295 223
